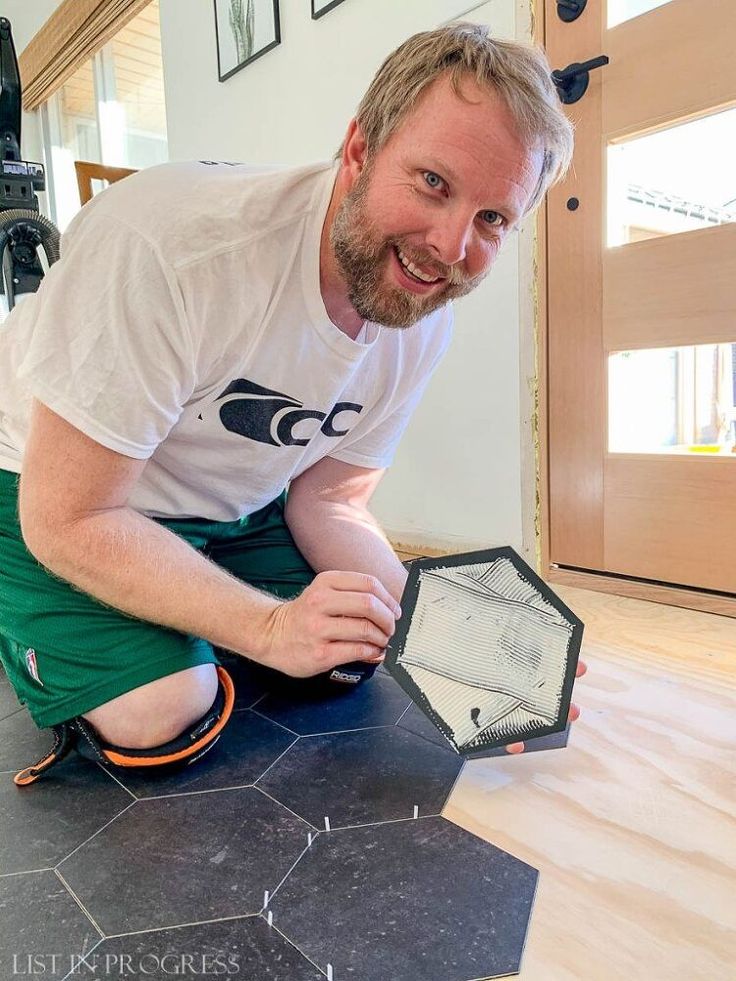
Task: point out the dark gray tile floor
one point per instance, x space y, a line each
8 702
140 875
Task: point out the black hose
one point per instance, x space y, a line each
14 220
18 228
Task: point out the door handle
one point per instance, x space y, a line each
570 10
572 82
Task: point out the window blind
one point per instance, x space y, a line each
72 35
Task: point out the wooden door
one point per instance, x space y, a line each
641 298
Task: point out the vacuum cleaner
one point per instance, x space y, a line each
23 230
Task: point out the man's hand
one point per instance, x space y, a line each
340 617
572 715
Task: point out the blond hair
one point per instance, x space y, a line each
519 73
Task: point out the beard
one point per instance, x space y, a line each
363 254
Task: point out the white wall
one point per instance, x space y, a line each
457 480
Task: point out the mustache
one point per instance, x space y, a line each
453 277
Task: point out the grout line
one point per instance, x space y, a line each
6 875
258 701
280 756
291 943
377 824
267 718
112 775
262 716
340 732
80 960
106 825
11 714
181 926
298 860
446 745
198 793
80 904
285 807
398 721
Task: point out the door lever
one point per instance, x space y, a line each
570 10
572 82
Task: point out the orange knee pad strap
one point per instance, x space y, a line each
188 746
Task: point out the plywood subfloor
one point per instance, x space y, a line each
633 826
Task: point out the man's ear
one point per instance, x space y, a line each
354 151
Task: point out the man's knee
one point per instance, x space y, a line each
155 713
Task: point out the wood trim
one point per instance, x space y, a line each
655 76
539 419
542 429
651 299
576 403
87 172
689 599
72 35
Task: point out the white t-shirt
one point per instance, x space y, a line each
184 325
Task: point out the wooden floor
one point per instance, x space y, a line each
632 826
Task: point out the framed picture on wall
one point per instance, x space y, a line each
321 7
245 30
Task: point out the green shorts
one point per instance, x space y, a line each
65 653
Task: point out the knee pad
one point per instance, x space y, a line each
186 748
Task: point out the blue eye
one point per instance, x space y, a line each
493 218
433 180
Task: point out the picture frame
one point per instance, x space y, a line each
244 31
322 7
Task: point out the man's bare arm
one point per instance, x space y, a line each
75 521
327 514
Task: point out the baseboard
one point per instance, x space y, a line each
689 599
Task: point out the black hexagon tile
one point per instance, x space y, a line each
311 707
8 700
21 741
553 740
362 777
417 900
241 948
177 860
252 681
248 745
485 649
45 821
43 929
414 720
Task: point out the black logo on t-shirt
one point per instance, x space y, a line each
271 417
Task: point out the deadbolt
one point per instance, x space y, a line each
570 10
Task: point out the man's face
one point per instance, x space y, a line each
427 214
